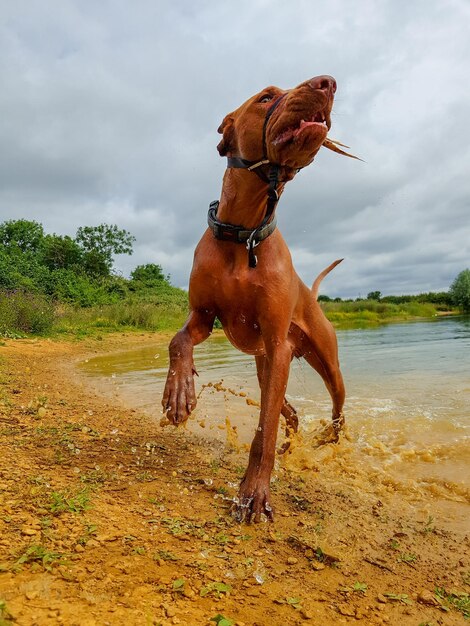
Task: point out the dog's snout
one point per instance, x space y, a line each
325 83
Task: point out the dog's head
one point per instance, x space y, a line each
297 124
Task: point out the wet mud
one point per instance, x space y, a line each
107 518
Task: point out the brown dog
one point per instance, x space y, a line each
264 307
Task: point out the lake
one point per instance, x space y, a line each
407 407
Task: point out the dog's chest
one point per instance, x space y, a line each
243 331
237 303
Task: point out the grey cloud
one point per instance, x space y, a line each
108 112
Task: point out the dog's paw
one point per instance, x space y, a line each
252 505
179 397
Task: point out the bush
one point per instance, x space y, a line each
22 270
25 312
131 313
65 285
460 291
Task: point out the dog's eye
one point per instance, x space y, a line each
266 98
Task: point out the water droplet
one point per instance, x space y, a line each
259 575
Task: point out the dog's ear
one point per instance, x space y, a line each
226 143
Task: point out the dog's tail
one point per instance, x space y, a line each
321 276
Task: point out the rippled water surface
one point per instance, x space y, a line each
408 398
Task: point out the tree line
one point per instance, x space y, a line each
79 269
442 299
76 269
457 296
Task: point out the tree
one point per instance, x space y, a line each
60 252
149 273
24 235
460 291
100 243
374 295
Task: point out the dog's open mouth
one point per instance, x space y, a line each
317 127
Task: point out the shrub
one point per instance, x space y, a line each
129 313
460 291
25 312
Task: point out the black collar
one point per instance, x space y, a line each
238 234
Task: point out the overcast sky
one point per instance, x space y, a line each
109 112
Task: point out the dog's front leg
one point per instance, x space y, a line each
179 398
254 493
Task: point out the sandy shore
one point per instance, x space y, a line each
108 519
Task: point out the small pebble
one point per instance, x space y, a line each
31 595
427 597
344 609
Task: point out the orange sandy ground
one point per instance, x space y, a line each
105 518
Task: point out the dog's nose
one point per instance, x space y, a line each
325 83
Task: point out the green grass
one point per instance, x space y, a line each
23 312
69 502
170 314
37 554
126 315
456 600
165 310
368 313
6 619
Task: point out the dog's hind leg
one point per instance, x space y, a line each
179 398
288 411
333 380
320 350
